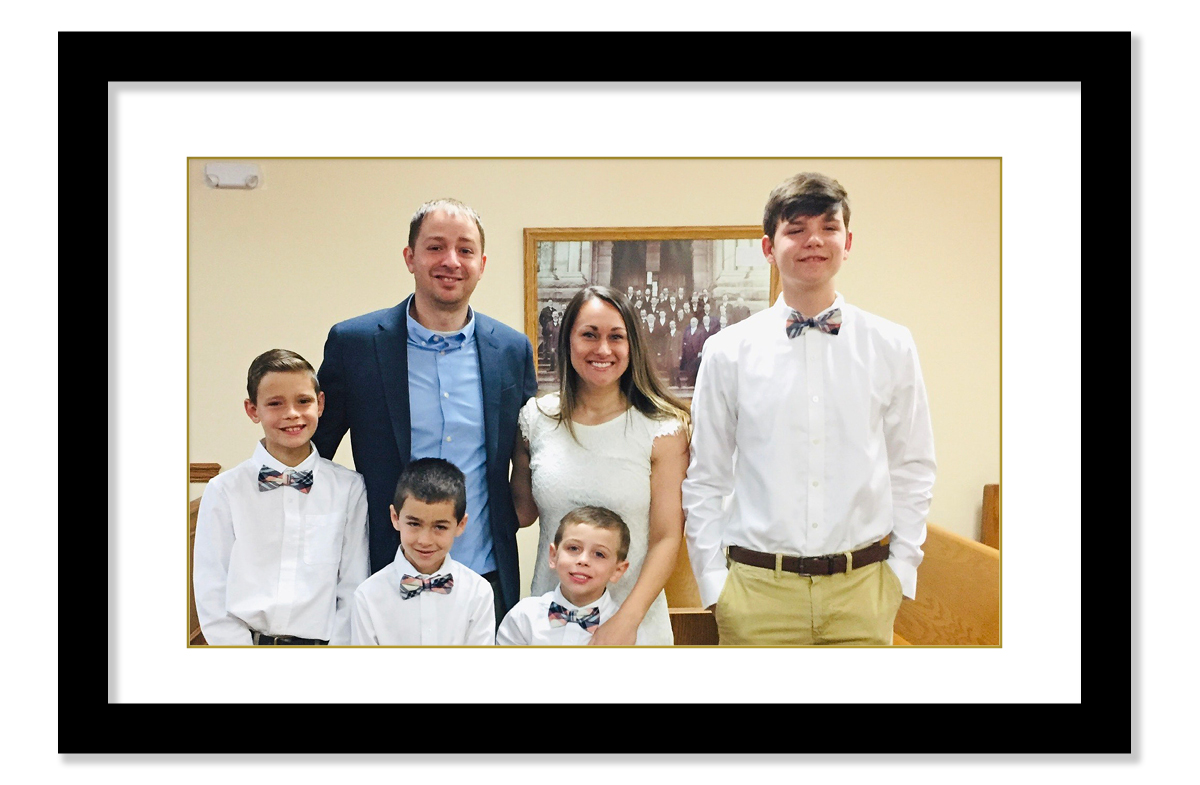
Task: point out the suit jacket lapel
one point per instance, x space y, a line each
391 349
492 377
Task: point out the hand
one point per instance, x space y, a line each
617 631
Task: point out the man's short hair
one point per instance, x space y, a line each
807 193
433 480
278 360
451 207
601 518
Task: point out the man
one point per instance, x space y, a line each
674 353
741 311
433 378
825 407
689 359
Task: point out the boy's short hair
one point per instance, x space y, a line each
277 360
433 480
452 207
807 193
601 518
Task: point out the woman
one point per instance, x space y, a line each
612 436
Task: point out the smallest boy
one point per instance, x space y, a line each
424 597
281 539
588 553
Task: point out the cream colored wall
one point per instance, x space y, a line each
319 241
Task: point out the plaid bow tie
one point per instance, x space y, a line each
829 322
269 479
411 586
587 619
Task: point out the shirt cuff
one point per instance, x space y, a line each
711 584
907 575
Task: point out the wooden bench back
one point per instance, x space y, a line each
195 637
958 594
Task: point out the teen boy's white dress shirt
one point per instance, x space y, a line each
528 623
833 441
466 616
280 562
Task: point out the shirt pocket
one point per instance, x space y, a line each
322 539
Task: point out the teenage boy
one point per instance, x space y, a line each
825 407
433 377
281 539
588 553
425 597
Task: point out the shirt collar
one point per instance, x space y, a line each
602 603
264 458
782 310
406 567
422 337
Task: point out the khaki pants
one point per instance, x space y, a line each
764 607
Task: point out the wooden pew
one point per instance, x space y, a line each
990 529
197 472
195 637
958 594
691 624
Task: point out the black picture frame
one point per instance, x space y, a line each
90 724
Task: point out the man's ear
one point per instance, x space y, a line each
849 237
617 573
408 258
768 249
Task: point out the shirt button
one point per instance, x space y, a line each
447 438
445 395
814 525
816 398
815 483
442 352
816 441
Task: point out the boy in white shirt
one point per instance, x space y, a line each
281 539
588 553
812 462
424 597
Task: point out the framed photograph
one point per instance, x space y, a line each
684 283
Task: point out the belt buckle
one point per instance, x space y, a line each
828 560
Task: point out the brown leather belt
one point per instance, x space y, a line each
810 565
262 639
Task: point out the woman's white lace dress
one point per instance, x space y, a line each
610 467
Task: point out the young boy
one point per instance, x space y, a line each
424 597
588 553
281 539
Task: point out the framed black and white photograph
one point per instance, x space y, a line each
685 284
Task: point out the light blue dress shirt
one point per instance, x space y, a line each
445 401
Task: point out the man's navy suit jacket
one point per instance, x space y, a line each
364 375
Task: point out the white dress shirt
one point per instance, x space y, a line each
464 617
528 623
833 442
280 562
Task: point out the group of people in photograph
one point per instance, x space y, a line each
799 476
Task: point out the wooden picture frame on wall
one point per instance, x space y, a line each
674 273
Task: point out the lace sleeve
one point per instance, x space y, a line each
667 427
525 418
